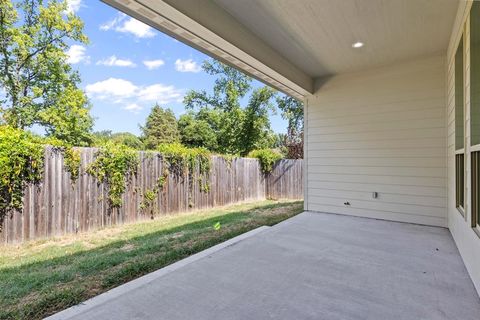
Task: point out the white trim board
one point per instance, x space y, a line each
166 18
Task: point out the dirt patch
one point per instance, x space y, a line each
177 235
128 247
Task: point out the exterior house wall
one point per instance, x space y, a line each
383 131
468 242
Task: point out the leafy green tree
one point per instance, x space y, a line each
256 133
197 132
238 129
128 139
39 85
292 111
160 127
102 138
69 119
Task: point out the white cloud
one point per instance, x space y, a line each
130 25
133 107
73 6
111 88
113 23
139 29
187 66
153 64
76 54
113 61
160 93
123 91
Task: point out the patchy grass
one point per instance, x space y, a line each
40 278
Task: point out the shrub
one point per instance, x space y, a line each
21 163
267 158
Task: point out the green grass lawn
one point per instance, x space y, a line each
40 278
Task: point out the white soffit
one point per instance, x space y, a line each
317 35
168 19
289 43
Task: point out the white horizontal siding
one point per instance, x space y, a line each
432 162
395 135
415 199
381 171
386 188
389 123
380 131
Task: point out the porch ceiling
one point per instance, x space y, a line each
317 35
289 43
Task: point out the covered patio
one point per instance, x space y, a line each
312 266
391 91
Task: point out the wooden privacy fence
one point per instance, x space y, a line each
60 206
285 181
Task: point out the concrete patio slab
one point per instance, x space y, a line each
312 266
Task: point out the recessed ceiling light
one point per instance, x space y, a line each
357 44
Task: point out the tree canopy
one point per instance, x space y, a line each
292 111
160 127
39 85
198 131
238 129
102 138
39 88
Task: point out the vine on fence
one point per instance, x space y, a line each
151 194
114 165
71 157
267 158
72 160
22 158
21 163
228 158
183 161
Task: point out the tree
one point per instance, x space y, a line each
197 132
69 118
128 139
160 127
292 111
102 138
238 129
40 87
256 133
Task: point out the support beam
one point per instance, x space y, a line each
208 28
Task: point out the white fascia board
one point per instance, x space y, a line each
164 17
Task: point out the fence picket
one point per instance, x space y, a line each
60 206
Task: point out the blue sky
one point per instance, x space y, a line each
128 66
